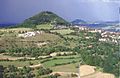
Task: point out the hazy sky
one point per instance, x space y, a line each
15 11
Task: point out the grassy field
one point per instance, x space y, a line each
13 32
63 31
44 26
61 59
53 62
43 37
71 36
16 29
29 41
66 68
19 63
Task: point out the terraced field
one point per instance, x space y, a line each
53 50
63 31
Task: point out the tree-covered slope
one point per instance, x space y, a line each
44 17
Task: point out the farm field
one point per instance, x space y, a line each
22 63
18 63
67 68
63 31
15 29
43 37
56 62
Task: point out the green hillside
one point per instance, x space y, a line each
44 17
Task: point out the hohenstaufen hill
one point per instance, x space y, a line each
44 17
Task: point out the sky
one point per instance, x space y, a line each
16 11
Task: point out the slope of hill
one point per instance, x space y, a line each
44 17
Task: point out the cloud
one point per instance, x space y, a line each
110 0
100 0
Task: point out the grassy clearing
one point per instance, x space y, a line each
29 41
16 29
19 63
72 44
71 36
13 32
52 63
44 26
27 63
66 68
63 31
43 37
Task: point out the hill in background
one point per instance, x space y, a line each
44 17
78 22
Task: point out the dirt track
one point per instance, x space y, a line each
34 66
99 75
87 71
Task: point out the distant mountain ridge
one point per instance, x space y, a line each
78 22
105 25
5 25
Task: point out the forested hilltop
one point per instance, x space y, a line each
45 17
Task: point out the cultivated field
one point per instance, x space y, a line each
63 31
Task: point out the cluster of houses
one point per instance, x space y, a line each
106 36
110 36
30 34
60 27
83 28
